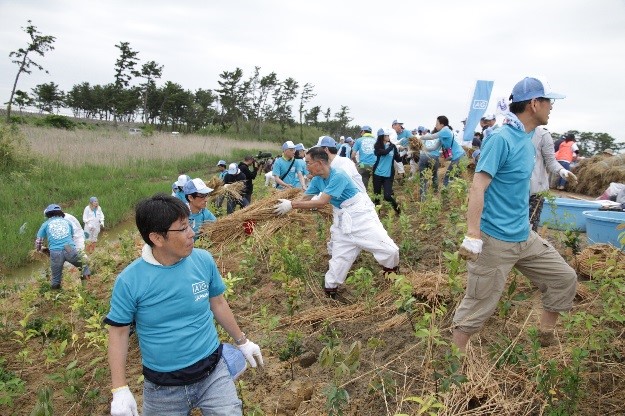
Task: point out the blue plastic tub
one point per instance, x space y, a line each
601 227
569 213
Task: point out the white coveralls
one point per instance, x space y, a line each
356 227
93 221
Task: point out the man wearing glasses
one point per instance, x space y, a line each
499 236
196 192
173 293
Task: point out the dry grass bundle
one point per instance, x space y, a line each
490 391
595 259
431 286
382 307
35 255
216 184
258 217
415 144
596 173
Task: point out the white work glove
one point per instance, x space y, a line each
568 175
470 248
124 403
283 207
252 353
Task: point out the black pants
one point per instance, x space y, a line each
379 183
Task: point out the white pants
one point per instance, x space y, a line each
269 179
93 228
364 232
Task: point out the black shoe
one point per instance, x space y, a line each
331 292
55 287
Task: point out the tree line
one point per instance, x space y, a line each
133 95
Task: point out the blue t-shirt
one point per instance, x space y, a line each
338 185
385 163
280 167
403 138
180 195
223 174
301 165
170 307
202 216
446 137
364 147
508 157
58 231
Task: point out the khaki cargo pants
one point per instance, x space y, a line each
535 258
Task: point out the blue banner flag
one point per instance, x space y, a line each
479 103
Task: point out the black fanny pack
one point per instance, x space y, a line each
188 375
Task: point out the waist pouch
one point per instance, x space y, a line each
188 375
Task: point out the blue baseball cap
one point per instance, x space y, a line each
196 185
52 207
327 141
349 140
366 128
420 129
222 163
300 146
288 145
530 88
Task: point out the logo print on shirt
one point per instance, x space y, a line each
59 229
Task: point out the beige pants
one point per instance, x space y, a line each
535 258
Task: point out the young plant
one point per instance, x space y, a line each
344 364
363 283
447 371
292 349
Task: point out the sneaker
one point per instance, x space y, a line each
331 292
388 270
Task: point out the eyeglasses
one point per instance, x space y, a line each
185 228
200 195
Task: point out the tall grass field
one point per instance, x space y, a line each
42 165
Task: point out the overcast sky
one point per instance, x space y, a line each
411 60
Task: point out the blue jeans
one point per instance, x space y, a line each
58 257
451 173
216 395
232 204
566 165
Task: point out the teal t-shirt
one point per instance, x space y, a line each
202 216
338 185
280 167
170 307
446 137
403 138
58 231
301 165
385 164
508 157
364 147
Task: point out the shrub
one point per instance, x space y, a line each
56 121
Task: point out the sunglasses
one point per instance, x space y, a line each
203 196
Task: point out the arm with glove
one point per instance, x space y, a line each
307 202
123 403
472 244
225 318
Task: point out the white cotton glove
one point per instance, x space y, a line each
283 207
568 175
124 403
470 248
252 353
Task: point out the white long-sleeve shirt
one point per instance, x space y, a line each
545 161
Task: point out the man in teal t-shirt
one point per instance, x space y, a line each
173 293
286 171
499 236
356 225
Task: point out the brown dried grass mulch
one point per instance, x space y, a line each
595 259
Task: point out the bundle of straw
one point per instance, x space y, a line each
259 217
594 260
415 144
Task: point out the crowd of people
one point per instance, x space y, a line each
174 292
